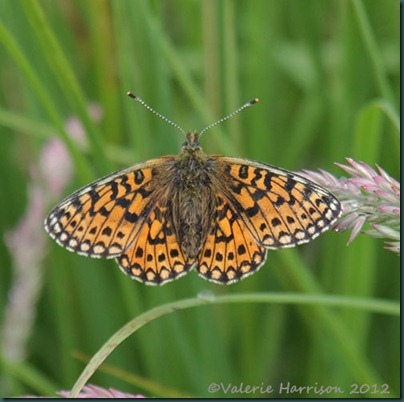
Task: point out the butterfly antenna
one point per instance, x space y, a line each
142 102
248 104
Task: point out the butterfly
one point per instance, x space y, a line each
217 214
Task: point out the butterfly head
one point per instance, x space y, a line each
191 148
192 140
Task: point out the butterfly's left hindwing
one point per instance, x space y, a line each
279 208
156 256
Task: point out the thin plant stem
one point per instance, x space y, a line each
371 305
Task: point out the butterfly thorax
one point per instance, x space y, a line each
191 198
193 163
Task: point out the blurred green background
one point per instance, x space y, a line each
327 76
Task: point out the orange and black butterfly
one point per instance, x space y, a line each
217 214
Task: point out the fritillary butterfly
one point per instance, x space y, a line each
217 214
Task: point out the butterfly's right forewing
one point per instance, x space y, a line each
279 208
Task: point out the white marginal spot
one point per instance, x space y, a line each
177 268
115 250
320 224
57 228
73 243
311 230
98 249
150 276
334 206
216 274
257 258
285 239
136 271
84 247
231 274
63 236
164 274
300 235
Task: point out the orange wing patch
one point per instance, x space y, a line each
155 257
230 253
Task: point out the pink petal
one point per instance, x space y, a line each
390 209
347 169
386 231
388 177
357 228
94 391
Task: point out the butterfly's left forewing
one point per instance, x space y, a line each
279 208
103 218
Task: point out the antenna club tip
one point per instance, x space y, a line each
255 100
131 95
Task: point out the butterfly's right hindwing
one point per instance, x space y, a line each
230 252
